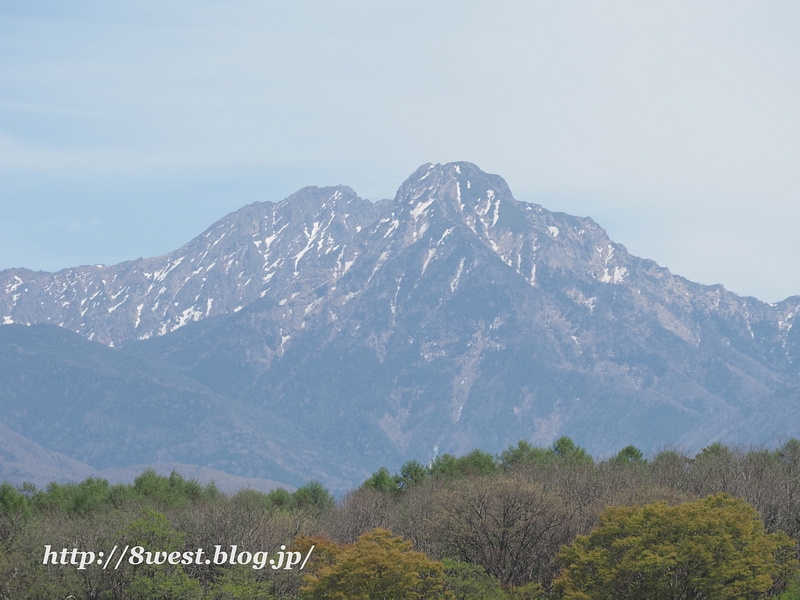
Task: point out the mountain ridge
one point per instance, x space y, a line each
450 317
306 205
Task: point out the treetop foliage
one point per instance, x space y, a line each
378 565
563 450
12 502
311 495
629 455
479 463
95 494
715 547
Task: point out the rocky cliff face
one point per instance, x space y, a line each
450 317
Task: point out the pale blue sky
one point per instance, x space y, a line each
128 128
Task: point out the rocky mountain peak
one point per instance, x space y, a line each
451 317
457 187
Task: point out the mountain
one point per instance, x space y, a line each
353 334
110 409
22 460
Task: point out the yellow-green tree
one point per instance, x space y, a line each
715 547
377 565
154 532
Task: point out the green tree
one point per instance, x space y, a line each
789 452
12 502
382 481
313 495
792 592
476 463
411 473
14 514
562 450
569 451
90 495
471 582
629 455
715 547
524 454
173 491
279 499
240 583
154 533
714 450
445 466
378 565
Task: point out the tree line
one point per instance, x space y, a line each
528 523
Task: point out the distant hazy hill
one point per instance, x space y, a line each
22 460
324 335
108 408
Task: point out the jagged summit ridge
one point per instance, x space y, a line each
466 197
314 237
234 262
